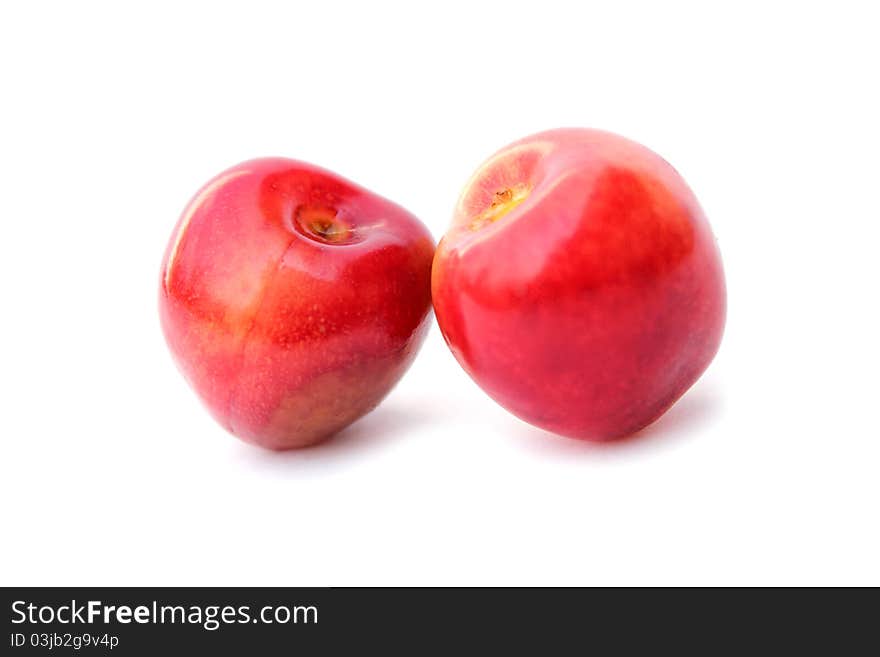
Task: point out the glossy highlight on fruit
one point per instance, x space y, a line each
293 300
580 284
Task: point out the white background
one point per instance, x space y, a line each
112 115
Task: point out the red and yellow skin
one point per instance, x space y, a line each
293 300
580 284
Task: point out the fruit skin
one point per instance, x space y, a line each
293 300
580 284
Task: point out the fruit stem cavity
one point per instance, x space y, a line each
503 201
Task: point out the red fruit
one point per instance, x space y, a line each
293 300
580 285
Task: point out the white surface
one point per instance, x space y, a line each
112 116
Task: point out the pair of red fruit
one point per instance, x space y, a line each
579 285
